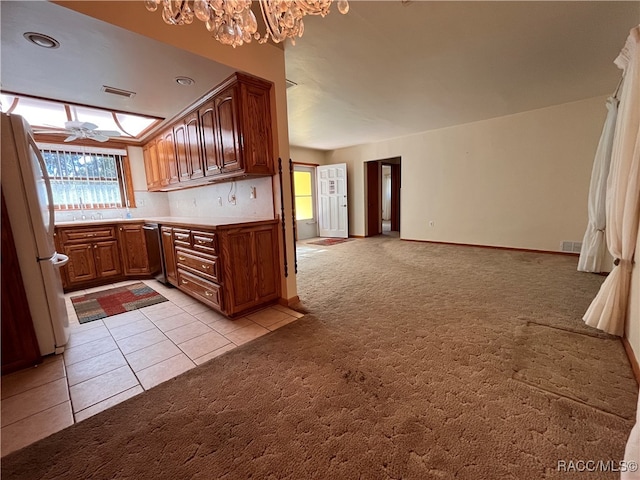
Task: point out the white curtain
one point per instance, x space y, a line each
608 310
593 255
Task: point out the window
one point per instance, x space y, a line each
86 177
304 196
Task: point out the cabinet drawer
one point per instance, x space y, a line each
204 242
84 234
206 291
182 237
202 264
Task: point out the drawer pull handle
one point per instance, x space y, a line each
203 242
182 259
208 293
205 266
184 282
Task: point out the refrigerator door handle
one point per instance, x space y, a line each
60 260
47 182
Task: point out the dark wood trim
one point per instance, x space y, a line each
374 194
395 196
356 236
58 138
495 247
632 359
14 104
128 181
85 105
304 164
114 115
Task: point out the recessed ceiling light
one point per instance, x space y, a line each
42 40
185 81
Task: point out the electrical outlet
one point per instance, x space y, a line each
232 199
253 193
431 224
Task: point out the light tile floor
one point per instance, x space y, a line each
108 361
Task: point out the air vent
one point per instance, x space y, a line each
117 91
290 84
571 247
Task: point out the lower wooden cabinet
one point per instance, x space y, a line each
102 254
92 261
133 247
169 255
233 269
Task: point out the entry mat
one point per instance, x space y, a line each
330 241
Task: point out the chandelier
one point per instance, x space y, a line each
232 22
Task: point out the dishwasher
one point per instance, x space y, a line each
153 237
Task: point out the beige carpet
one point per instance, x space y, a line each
416 361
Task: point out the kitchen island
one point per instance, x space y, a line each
230 264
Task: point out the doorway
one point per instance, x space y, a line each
383 183
304 184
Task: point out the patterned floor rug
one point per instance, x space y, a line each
330 241
97 305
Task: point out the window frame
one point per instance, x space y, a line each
123 170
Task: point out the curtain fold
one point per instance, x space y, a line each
593 254
608 310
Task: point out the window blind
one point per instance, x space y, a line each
85 178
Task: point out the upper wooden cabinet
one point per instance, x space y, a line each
227 134
167 159
187 144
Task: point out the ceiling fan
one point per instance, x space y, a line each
77 130
88 130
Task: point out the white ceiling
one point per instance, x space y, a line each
93 53
388 69
384 70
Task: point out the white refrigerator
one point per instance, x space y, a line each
29 201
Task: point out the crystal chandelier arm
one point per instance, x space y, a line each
233 23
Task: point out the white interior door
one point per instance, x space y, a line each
332 201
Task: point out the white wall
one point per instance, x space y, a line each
518 181
204 202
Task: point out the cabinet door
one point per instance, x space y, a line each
267 263
151 167
228 153
169 255
168 160
107 258
257 143
206 116
192 138
133 247
180 140
81 266
239 275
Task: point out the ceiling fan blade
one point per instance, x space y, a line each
73 125
88 126
99 138
71 138
108 133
